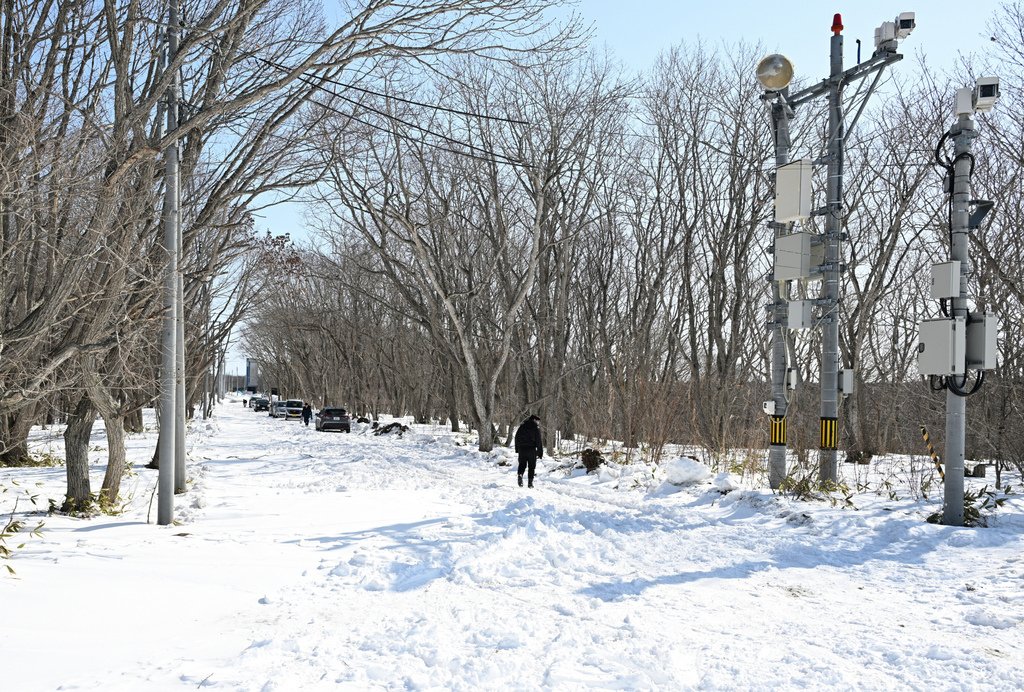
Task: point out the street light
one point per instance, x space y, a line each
775 72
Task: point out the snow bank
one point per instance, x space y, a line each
686 471
725 482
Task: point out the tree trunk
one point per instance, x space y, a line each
485 432
133 421
76 452
453 400
14 437
115 460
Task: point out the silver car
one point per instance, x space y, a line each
293 408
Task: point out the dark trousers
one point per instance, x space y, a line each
528 460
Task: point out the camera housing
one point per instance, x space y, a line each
986 93
905 24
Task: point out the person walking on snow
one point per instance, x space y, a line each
307 413
529 447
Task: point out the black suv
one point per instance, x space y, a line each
260 404
333 419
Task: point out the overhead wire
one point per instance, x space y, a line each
413 102
489 154
423 142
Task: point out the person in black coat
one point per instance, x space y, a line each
307 413
529 447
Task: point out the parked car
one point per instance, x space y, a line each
333 419
278 410
260 404
293 408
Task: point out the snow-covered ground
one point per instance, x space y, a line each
311 561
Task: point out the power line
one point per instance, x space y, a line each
420 141
346 85
407 123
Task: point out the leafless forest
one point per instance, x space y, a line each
506 222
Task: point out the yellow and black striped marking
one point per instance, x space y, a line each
829 433
777 431
931 452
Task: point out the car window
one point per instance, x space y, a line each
333 411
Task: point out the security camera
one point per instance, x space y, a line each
885 37
986 93
904 24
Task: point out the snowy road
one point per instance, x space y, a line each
329 561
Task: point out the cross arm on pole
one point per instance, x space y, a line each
868 67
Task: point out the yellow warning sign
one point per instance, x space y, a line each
777 430
829 433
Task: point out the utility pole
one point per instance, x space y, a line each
828 468
168 348
777 407
179 375
956 406
961 340
803 256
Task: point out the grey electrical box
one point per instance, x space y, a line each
793 191
942 347
791 378
982 350
800 314
846 381
793 256
946 280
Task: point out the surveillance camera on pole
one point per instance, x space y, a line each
985 94
905 24
807 256
889 33
961 341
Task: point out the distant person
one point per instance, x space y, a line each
245 403
529 447
307 413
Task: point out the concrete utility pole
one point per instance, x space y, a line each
777 449
961 340
795 255
828 467
956 406
179 374
168 349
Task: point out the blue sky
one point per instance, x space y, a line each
637 31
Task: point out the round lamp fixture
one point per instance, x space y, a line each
775 72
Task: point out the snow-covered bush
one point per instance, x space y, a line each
392 428
725 482
685 471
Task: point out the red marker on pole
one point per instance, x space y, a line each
837 24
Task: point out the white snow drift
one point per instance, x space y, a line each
310 561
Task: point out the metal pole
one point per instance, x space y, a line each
168 350
956 406
828 469
777 449
179 417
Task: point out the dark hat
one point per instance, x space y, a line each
535 417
